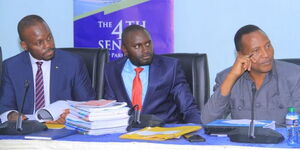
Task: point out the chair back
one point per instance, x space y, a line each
95 59
196 71
291 60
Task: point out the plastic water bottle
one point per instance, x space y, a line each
291 121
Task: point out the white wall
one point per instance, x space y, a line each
208 26
57 13
201 26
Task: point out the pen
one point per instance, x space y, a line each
219 135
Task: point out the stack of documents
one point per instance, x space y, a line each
98 117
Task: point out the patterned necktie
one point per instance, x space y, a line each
137 90
39 88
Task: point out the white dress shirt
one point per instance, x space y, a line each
46 67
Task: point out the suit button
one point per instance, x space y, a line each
280 106
240 108
257 104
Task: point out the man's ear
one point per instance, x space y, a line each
24 45
123 47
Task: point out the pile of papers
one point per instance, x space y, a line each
51 112
98 117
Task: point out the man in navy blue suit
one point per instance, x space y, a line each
63 75
165 92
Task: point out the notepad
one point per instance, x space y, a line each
50 134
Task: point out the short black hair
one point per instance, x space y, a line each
242 31
28 21
131 28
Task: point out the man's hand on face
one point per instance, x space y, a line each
14 116
242 63
62 118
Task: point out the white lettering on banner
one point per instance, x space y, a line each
119 27
141 23
116 55
110 44
103 24
118 30
115 44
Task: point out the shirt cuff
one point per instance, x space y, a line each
4 115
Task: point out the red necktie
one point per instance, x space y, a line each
39 88
137 89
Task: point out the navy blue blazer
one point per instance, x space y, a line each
69 80
168 94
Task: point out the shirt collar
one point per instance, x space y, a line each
129 67
33 60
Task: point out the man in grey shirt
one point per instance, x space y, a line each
255 76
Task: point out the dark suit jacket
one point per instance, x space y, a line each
168 95
69 80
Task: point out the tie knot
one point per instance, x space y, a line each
138 69
39 63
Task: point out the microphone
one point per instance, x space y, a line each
19 126
19 120
254 134
138 120
251 127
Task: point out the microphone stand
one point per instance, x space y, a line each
248 134
251 127
19 120
20 127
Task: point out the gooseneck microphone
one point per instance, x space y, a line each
254 134
19 126
251 127
19 120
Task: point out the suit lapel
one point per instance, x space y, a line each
154 78
28 75
54 75
119 81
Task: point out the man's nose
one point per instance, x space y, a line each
47 44
264 52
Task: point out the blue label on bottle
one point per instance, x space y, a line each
291 122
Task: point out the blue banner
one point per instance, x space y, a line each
99 23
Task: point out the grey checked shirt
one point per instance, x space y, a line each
280 90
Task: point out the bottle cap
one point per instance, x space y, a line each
291 109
